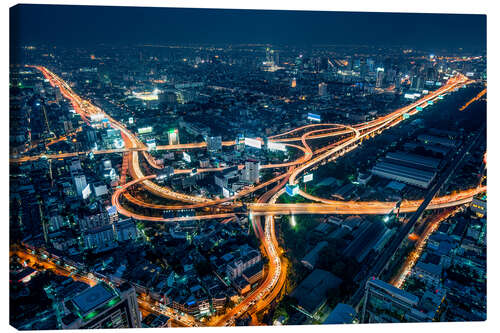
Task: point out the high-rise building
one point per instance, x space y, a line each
384 303
371 64
68 126
80 182
173 137
276 58
58 95
251 171
356 64
75 165
101 306
397 81
322 89
419 83
240 142
214 144
380 77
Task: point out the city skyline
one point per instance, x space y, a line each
122 25
165 173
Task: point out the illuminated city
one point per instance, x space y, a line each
183 168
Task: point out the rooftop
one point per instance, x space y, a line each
92 297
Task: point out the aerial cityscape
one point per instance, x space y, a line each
176 167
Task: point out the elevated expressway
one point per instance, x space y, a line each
276 276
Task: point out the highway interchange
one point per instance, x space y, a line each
266 207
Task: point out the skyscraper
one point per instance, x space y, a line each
102 306
380 77
214 144
371 64
322 89
251 172
173 137
58 94
80 182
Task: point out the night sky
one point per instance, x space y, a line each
90 25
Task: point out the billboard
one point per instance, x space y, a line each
308 177
145 130
186 157
131 120
419 108
276 146
292 190
409 96
425 92
313 117
86 191
430 102
253 143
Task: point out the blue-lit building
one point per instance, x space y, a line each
102 306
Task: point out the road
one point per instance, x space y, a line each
362 207
453 162
432 225
351 137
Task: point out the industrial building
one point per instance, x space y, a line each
404 174
414 160
366 237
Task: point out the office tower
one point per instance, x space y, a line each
251 172
322 89
240 142
276 58
380 77
269 55
384 303
90 136
101 306
58 94
214 144
391 75
356 64
80 182
371 64
173 137
68 126
75 165
397 82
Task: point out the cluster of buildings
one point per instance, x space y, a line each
408 168
447 283
61 210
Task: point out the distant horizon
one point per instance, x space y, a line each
96 25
